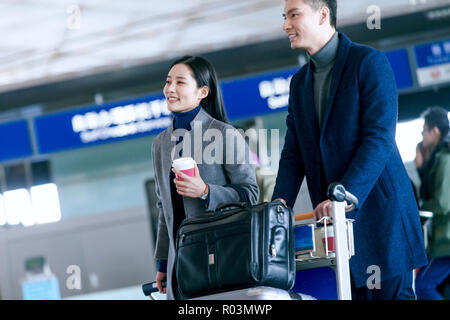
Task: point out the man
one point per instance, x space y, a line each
341 127
435 197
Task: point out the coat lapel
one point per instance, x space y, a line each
338 71
167 154
308 103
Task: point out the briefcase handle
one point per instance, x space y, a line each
223 206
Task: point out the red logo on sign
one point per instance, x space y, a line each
436 74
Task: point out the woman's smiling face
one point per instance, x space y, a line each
181 89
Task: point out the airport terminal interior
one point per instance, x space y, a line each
81 102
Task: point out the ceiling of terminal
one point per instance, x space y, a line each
49 40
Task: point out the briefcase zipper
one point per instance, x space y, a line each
183 235
273 247
208 218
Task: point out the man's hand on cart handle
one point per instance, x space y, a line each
323 210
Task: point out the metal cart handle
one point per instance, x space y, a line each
337 192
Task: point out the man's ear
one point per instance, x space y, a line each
436 131
324 14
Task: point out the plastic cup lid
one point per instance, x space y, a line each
183 163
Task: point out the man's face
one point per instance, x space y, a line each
301 24
431 136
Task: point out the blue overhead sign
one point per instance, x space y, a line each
433 62
100 124
267 93
15 141
432 54
400 65
257 95
149 115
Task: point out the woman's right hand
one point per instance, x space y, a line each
160 278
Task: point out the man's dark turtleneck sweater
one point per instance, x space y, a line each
323 62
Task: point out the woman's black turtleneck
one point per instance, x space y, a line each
181 120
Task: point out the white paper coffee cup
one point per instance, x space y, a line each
185 165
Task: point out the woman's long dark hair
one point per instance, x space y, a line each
205 75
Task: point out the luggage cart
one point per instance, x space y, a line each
322 254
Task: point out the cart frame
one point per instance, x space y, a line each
343 237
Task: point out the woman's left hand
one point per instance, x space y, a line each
192 187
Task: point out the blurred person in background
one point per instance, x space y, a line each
434 172
193 95
265 176
341 123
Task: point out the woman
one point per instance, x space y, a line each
193 96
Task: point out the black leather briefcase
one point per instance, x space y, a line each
238 246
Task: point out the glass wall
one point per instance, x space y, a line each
104 178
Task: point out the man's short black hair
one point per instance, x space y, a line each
437 117
331 4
